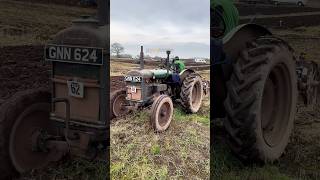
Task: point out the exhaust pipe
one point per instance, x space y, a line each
104 12
141 58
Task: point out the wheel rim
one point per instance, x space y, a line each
34 118
119 107
164 114
276 104
196 95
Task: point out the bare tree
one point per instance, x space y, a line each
117 48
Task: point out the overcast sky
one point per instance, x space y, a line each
181 25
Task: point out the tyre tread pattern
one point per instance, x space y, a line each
186 91
240 103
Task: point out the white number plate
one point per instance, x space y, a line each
72 54
75 89
133 89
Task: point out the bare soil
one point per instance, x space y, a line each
274 22
21 68
116 82
62 2
246 9
286 22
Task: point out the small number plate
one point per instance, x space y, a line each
75 89
133 89
133 78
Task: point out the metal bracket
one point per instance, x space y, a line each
67 120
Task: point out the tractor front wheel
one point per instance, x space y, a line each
117 104
161 113
21 117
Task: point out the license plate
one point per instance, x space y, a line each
133 89
75 89
74 54
133 78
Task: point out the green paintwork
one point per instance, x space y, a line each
253 27
160 73
230 13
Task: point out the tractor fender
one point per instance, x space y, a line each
236 39
183 74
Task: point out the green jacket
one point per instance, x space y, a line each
179 65
230 13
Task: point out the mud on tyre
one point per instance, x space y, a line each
192 93
261 101
117 104
161 113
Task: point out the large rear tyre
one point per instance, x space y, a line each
161 113
192 93
261 101
20 118
117 104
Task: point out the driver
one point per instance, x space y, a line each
178 64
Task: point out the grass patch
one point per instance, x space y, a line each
155 149
72 169
137 152
181 152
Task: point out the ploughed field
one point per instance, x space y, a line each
249 9
270 15
23 67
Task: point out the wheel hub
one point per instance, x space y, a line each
164 115
22 151
119 107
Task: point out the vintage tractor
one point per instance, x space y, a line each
159 88
41 126
255 85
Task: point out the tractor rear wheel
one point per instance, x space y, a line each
20 118
192 93
261 101
161 113
117 104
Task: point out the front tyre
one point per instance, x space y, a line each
161 113
20 118
261 101
118 106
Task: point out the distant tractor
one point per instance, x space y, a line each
159 88
255 85
42 126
